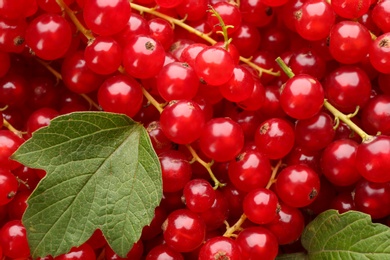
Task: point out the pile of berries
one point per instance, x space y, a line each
263 113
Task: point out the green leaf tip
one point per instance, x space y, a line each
102 173
350 235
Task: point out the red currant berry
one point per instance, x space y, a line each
302 96
199 195
297 185
240 86
275 138
8 186
338 162
376 115
372 159
257 243
214 65
182 121
9 142
164 252
380 15
120 94
184 230
350 9
349 42
221 139
83 252
106 17
288 225
379 53
229 13
314 133
103 55
13 240
77 76
40 118
218 248
373 198
314 20
177 81
49 36
143 52
261 206
176 170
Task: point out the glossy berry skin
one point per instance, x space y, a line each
349 42
221 139
314 20
13 240
250 170
182 121
18 9
275 138
103 55
135 252
13 32
215 217
240 86
288 225
229 13
8 186
176 170
347 87
257 243
376 115
163 252
379 53
40 118
261 206
214 65
84 252
77 76
49 36
177 81
372 159
343 202
380 15
159 140
302 96
373 198
9 142
338 162
199 195
106 17
184 230
314 133
297 185
143 52
220 248
120 94
350 9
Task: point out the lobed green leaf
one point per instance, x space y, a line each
351 235
102 173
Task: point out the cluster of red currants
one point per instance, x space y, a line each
249 155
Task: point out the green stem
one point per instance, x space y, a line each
224 27
207 166
286 69
347 120
202 35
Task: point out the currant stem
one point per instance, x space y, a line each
223 26
72 16
12 129
237 226
275 169
207 166
152 100
202 35
347 119
286 69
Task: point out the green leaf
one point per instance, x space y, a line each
294 256
351 235
101 173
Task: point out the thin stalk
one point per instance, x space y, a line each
202 35
207 166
